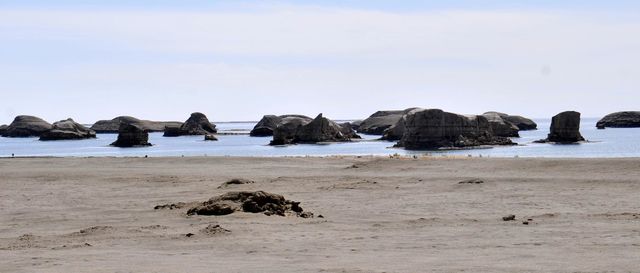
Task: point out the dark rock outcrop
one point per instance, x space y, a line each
356 124
626 119
380 121
565 128
320 129
286 130
112 126
3 128
268 124
131 135
197 124
524 124
26 126
66 130
348 131
210 137
434 128
396 131
500 126
254 202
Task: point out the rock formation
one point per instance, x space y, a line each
26 126
434 128
380 121
210 137
3 128
347 130
68 129
254 202
131 135
355 125
396 131
268 124
112 126
294 130
524 124
197 124
626 119
500 126
565 128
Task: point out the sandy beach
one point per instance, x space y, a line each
380 215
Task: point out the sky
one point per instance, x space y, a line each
239 60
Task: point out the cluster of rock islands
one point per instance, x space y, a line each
412 128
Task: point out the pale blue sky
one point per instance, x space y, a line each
238 60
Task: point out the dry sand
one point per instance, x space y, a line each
381 215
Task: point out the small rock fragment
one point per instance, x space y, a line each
236 181
214 229
509 218
178 205
472 181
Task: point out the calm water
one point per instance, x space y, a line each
603 143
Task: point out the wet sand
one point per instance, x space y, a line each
380 215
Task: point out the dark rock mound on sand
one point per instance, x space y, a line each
197 124
26 126
131 135
500 126
112 126
214 230
268 124
236 181
434 128
254 202
565 128
68 129
320 129
626 119
380 121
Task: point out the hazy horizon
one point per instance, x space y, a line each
240 60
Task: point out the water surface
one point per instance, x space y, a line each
603 143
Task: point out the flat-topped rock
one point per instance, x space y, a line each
113 125
625 119
294 130
380 121
197 124
67 130
131 135
565 128
434 128
26 126
268 124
